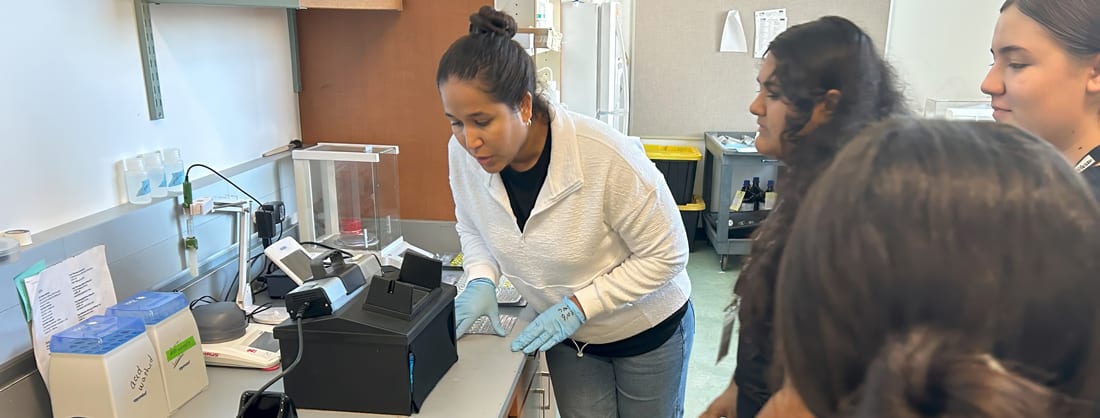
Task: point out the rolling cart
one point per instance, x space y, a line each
723 170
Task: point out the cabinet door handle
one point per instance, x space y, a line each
769 161
545 404
545 391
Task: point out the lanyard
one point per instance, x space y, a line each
1088 160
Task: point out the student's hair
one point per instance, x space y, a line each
943 269
1075 24
498 65
811 59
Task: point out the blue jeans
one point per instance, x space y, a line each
646 385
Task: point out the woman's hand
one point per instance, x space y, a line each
785 404
724 406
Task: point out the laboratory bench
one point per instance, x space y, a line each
489 380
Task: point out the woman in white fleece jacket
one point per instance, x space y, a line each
579 220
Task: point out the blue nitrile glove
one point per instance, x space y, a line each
550 327
479 298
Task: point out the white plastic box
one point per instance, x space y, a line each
105 367
175 337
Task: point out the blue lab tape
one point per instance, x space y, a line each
21 286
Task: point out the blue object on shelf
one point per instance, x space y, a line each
150 307
96 335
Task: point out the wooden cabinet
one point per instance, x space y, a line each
369 78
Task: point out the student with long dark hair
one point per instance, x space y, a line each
820 84
959 280
574 215
1045 76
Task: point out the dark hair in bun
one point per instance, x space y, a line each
488 56
929 373
492 22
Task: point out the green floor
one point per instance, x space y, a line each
711 290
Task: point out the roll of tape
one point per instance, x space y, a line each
21 235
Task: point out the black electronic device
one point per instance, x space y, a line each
277 209
409 293
396 338
332 285
269 405
278 285
331 264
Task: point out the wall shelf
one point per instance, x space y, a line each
148 48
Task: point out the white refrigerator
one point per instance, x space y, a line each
595 64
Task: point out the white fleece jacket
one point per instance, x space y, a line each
605 228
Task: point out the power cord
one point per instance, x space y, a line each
329 247
233 283
379 260
263 307
207 299
187 177
297 359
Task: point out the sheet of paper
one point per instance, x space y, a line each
769 24
21 286
64 294
733 34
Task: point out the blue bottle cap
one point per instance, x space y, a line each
150 307
96 335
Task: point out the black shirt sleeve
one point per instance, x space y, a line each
751 377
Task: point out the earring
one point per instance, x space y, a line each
529 122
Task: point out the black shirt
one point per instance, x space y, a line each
1091 173
1092 177
641 343
523 186
751 376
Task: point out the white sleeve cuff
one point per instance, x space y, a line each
589 297
482 270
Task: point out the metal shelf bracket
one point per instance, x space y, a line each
149 51
149 59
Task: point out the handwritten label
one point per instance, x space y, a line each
180 347
140 378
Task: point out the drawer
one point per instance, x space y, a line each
522 391
540 397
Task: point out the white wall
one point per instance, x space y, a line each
74 98
941 47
